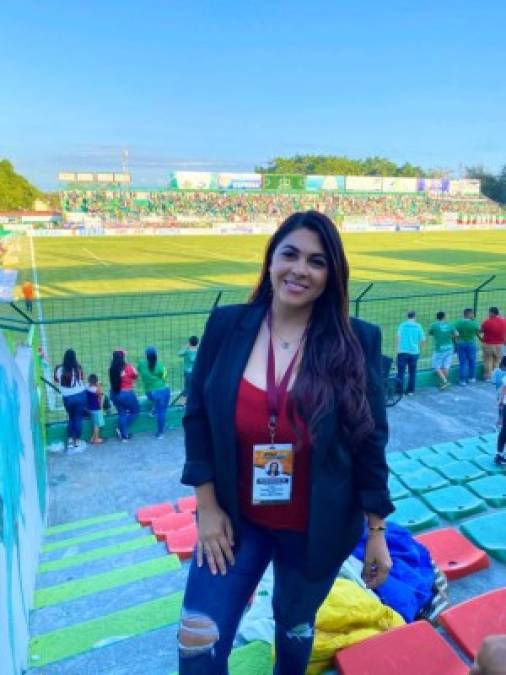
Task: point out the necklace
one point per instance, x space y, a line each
286 344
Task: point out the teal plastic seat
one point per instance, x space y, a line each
461 472
465 453
396 488
394 458
407 466
490 438
437 460
489 533
454 502
444 447
423 480
486 462
420 453
413 514
470 442
491 488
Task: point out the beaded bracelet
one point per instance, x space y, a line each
378 528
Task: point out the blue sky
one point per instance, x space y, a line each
227 85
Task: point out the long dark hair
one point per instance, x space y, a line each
71 371
332 372
151 358
115 370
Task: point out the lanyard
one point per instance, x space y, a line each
276 393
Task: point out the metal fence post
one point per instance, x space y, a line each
477 292
359 298
217 300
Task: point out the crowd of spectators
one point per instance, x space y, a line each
211 206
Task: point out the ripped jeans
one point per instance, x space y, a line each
213 604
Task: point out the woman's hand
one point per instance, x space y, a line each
377 561
216 539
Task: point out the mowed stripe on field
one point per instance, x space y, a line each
83 637
77 588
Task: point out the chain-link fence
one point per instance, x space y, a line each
96 325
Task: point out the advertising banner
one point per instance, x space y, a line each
85 177
315 183
364 183
283 182
239 181
465 186
399 184
193 180
433 185
67 177
122 178
105 178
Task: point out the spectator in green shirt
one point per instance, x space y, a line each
443 334
189 354
468 329
154 378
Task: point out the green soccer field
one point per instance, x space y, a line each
100 293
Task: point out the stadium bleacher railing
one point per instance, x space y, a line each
96 325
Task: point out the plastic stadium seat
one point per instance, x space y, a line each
461 472
396 488
412 514
489 438
491 488
394 458
413 649
407 466
438 459
444 447
147 513
420 453
465 453
486 462
455 555
423 480
182 542
171 522
489 533
185 504
470 622
470 442
454 502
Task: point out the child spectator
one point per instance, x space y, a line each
94 396
189 354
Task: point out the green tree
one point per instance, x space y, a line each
16 193
493 187
339 165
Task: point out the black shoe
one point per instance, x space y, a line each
500 459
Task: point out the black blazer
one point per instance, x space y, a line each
343 484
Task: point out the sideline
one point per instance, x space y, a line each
94 255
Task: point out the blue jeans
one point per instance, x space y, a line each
466 352
160 399
75 405
221 601
410 361
127 406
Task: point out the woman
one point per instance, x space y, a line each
69 375
288 377
122 376
154 379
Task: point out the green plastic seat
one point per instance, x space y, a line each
488 533
465 453
486 462
437 460
461 472
454 502
396 488
420 453
491 488
444 447
413 514
423 480
408 466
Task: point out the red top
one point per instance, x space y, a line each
251 419
494 330
128 376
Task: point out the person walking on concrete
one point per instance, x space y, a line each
443 334
468 330
410 338
494 338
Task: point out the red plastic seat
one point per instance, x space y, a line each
413 649
471 621
455 555
148 513
170 523
187 504
182 542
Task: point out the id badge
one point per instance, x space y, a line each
272 473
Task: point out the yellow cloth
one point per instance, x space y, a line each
348 615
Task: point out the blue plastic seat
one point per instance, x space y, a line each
407 466
438 459
444 447
420 453
394 458
454 502
396 488
423 480
461 472
470 442
465 453
413 514
486 462
491 488
489 533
